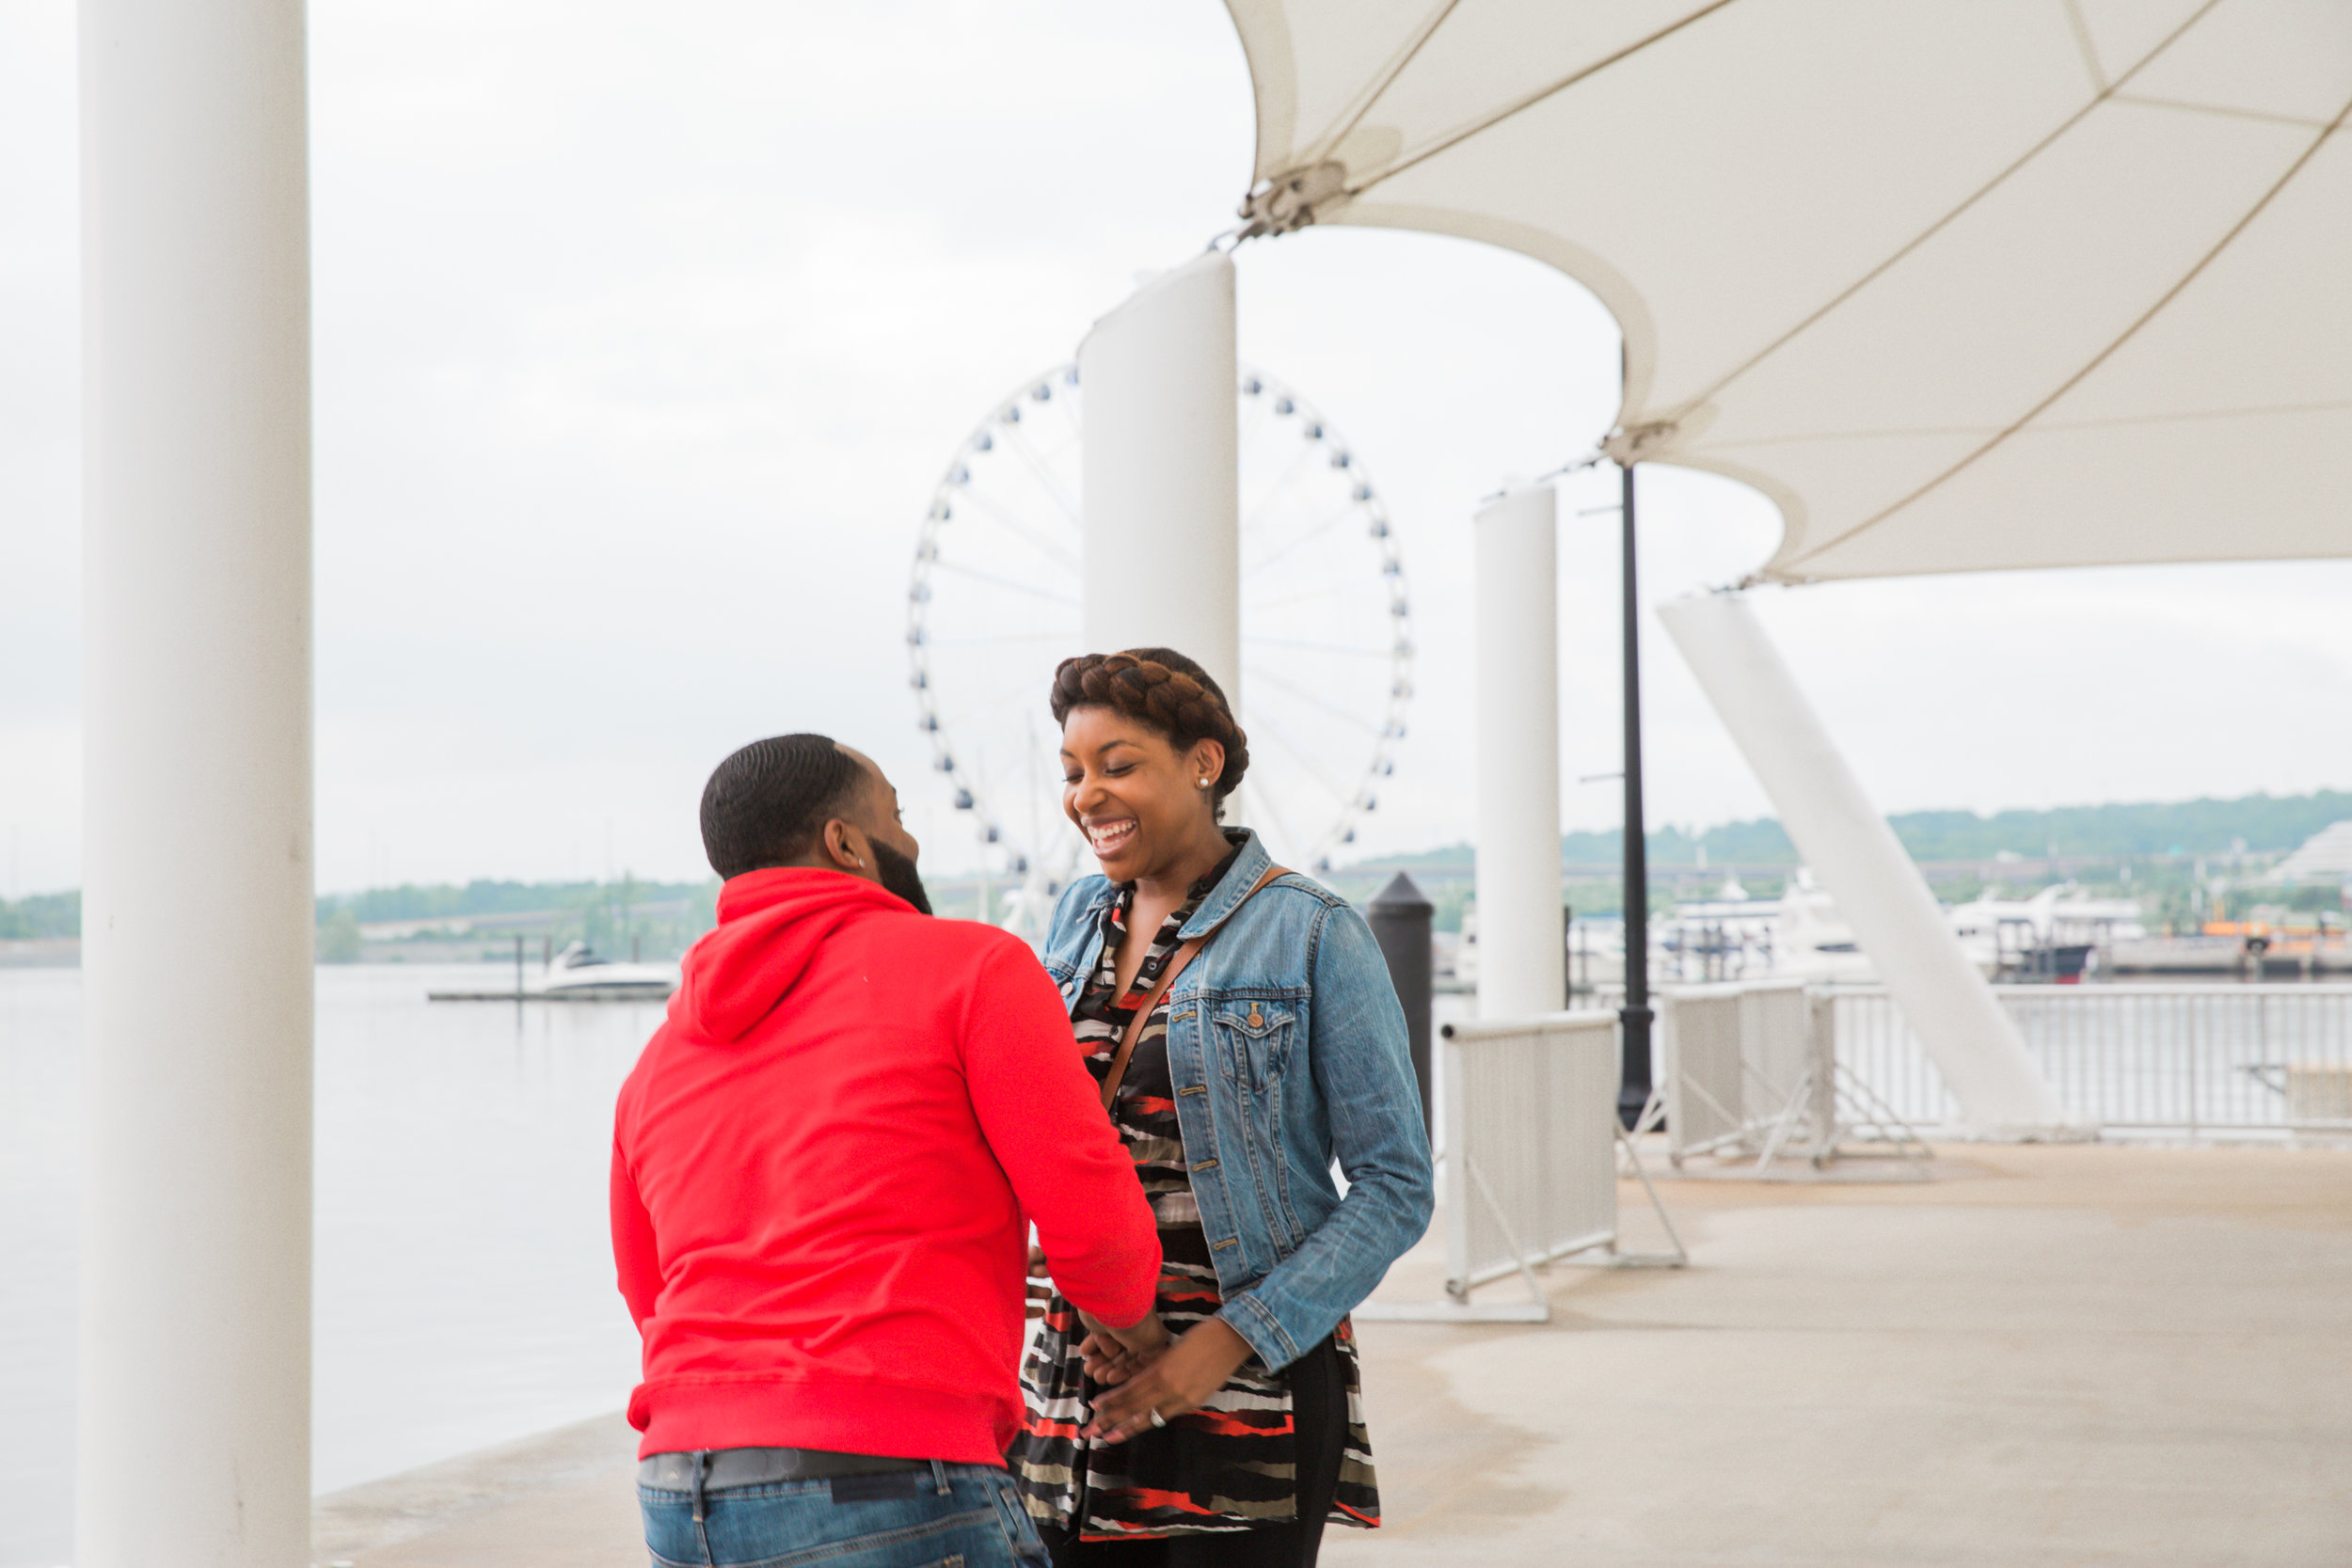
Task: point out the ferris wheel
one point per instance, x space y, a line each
994 607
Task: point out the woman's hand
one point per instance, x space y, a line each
1180 1380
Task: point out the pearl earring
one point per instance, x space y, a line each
1205 784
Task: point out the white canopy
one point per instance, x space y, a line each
1976 284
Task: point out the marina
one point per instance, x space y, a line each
1786 413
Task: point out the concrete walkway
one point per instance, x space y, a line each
2048 1355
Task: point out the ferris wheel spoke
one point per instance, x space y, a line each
1317 647
1260 418
1313 531
1021 693
991 638
1263 805
1029 454
1259 671
1327 591
1014 584
1060 552
1280 732
1257 515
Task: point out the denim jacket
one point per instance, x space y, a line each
1286 1047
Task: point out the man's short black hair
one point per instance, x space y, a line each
767 803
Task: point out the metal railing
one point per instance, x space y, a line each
1731 1058
2200 1059
1530 1169
1529 1106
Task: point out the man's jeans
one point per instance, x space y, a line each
964 1515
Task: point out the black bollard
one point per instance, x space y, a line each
1400 923
1567 954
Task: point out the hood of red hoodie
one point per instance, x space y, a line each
771 924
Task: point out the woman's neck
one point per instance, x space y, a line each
1168 885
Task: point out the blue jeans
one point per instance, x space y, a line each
964 1515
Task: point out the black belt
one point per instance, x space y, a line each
725 1468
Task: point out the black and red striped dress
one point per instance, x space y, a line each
1230 1464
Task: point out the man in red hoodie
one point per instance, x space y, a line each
824 1168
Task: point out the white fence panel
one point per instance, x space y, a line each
1528 1171
2192 1058
1530 1139
1731 1058
1776 1031
1699 1062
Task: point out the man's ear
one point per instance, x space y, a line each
847 850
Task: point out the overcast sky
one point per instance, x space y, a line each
643 332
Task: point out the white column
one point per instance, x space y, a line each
1520 960
197 907
1161 511
1857 856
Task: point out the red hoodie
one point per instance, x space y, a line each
824 1170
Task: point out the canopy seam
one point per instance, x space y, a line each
2120 422
1936 228
2306 122
2302 161
1531 99
2086 44
1324 146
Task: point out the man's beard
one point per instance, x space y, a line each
899 875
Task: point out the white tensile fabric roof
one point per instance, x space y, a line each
1960 285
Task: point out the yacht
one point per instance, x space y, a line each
579 971
1735 937
2059 933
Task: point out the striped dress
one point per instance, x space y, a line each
1229 1464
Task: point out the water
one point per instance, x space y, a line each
462 1289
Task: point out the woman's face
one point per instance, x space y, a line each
1135 796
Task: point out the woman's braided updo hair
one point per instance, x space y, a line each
1163 690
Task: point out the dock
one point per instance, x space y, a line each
2078 1354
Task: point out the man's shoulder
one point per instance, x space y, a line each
943 941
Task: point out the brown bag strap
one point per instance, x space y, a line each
1176 962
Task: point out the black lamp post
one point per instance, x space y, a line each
1633 1092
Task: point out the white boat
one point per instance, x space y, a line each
1734 937
2059 933
2057 915
1731 936
578 971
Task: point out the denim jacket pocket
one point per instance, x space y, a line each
1251 1039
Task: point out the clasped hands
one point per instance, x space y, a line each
1143 1371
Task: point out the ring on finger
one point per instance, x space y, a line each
1158 1419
